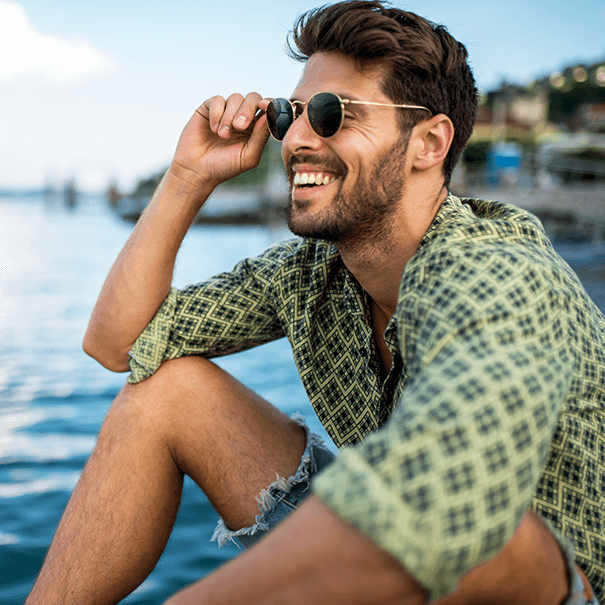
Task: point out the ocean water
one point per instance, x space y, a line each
53 398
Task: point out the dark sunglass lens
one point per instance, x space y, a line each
325 114
279 117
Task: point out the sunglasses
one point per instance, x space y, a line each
325 112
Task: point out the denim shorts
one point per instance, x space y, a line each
577 590
283 496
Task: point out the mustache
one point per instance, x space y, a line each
329 163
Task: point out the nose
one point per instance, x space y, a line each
301 136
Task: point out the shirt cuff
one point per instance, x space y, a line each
149 349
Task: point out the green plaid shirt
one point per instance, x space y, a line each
494 402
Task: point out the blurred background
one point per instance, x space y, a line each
93 97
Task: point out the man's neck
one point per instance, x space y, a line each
378 265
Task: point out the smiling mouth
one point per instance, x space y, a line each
312 179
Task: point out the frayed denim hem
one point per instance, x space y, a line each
577 590
283 496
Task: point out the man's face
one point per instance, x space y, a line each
359 170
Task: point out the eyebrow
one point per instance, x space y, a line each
342 95
351 97
360 110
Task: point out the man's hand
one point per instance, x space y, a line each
223 139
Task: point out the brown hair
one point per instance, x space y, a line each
424 64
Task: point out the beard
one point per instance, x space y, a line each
362 215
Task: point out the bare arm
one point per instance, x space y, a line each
315 558
222 139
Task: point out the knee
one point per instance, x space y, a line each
179 373
157 402
174 379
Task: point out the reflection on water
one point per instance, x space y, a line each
53 398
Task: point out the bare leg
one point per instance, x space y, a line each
189 418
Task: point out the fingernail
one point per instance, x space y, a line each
240 121
224 131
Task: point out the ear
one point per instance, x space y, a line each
433 143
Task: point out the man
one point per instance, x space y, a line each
443 341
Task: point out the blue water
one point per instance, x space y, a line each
53 397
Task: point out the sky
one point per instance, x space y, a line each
99 91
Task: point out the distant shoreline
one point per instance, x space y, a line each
22 192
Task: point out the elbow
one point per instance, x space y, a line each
109 359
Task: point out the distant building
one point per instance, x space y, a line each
514 116
592 117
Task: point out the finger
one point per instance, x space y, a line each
260 135
232 105
239 113
247 112
264 103
212 110
260 123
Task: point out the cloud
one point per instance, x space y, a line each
26 54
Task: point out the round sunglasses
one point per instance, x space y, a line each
325 112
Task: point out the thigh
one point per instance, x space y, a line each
227 438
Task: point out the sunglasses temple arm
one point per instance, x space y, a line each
346 101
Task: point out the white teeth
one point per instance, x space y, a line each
312 178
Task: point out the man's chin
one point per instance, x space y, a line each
313 227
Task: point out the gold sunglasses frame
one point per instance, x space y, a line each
343 102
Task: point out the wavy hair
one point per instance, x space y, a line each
424 64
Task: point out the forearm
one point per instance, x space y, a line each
314 557
530 569
211 150
141 276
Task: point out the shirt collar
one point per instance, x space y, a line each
450 207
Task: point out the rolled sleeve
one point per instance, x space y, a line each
148 351
229 313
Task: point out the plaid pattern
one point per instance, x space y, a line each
494 401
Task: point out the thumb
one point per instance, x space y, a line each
259 137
